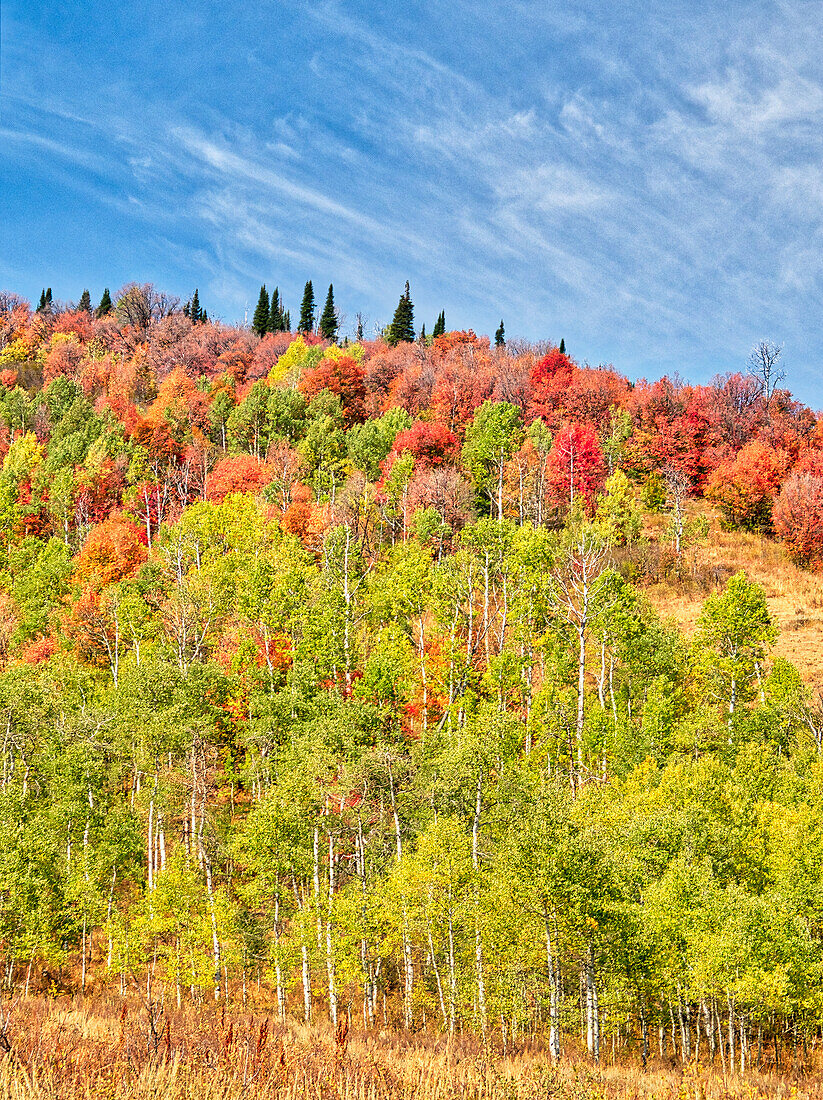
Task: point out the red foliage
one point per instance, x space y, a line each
430 442
77 321
576 467
798 519
39 650
64 358
237 474
562 391
343 376
115 549
745 487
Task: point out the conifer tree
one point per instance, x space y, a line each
287 322
85 302
204 317
41 305
423 334
439 324
307 309
187 309
500 336
562 348
401 330
275 312
48 296
196 313
105 304
260 321
328 318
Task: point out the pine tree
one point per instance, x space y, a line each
500 336
423 334
105 304
562 348
439 325
275 314
41 305
187 309
48 296
307 309
85 302
328 318
196 312
287 322
204 317
401 330
260 321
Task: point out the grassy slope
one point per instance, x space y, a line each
795 597
100 1049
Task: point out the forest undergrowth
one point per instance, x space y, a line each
107 1047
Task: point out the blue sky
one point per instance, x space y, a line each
643 179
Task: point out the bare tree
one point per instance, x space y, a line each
678 487
581 596
763 367
140 304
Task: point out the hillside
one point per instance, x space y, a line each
794 596
410 685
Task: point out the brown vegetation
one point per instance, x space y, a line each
114 1049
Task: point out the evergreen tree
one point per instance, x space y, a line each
105 304
41 305
307 309
328 318
562 348
275 312
48 296
500 336
85 302
401 330
187 309
204 316
287 322
196 312
260 321
439 324
423 334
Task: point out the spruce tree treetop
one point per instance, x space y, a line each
500 336
41 305
85 302
105 304
275 312
195 312
328 319
307 309
562 348
439 324
260 321
401 330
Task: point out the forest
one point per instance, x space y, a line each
330 681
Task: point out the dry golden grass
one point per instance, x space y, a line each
794 596
99 1051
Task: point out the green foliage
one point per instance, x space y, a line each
260 320
401 330
329 324
307 309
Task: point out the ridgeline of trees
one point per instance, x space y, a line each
329 667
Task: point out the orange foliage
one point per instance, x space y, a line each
343 376
114 550
237 474
745 487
